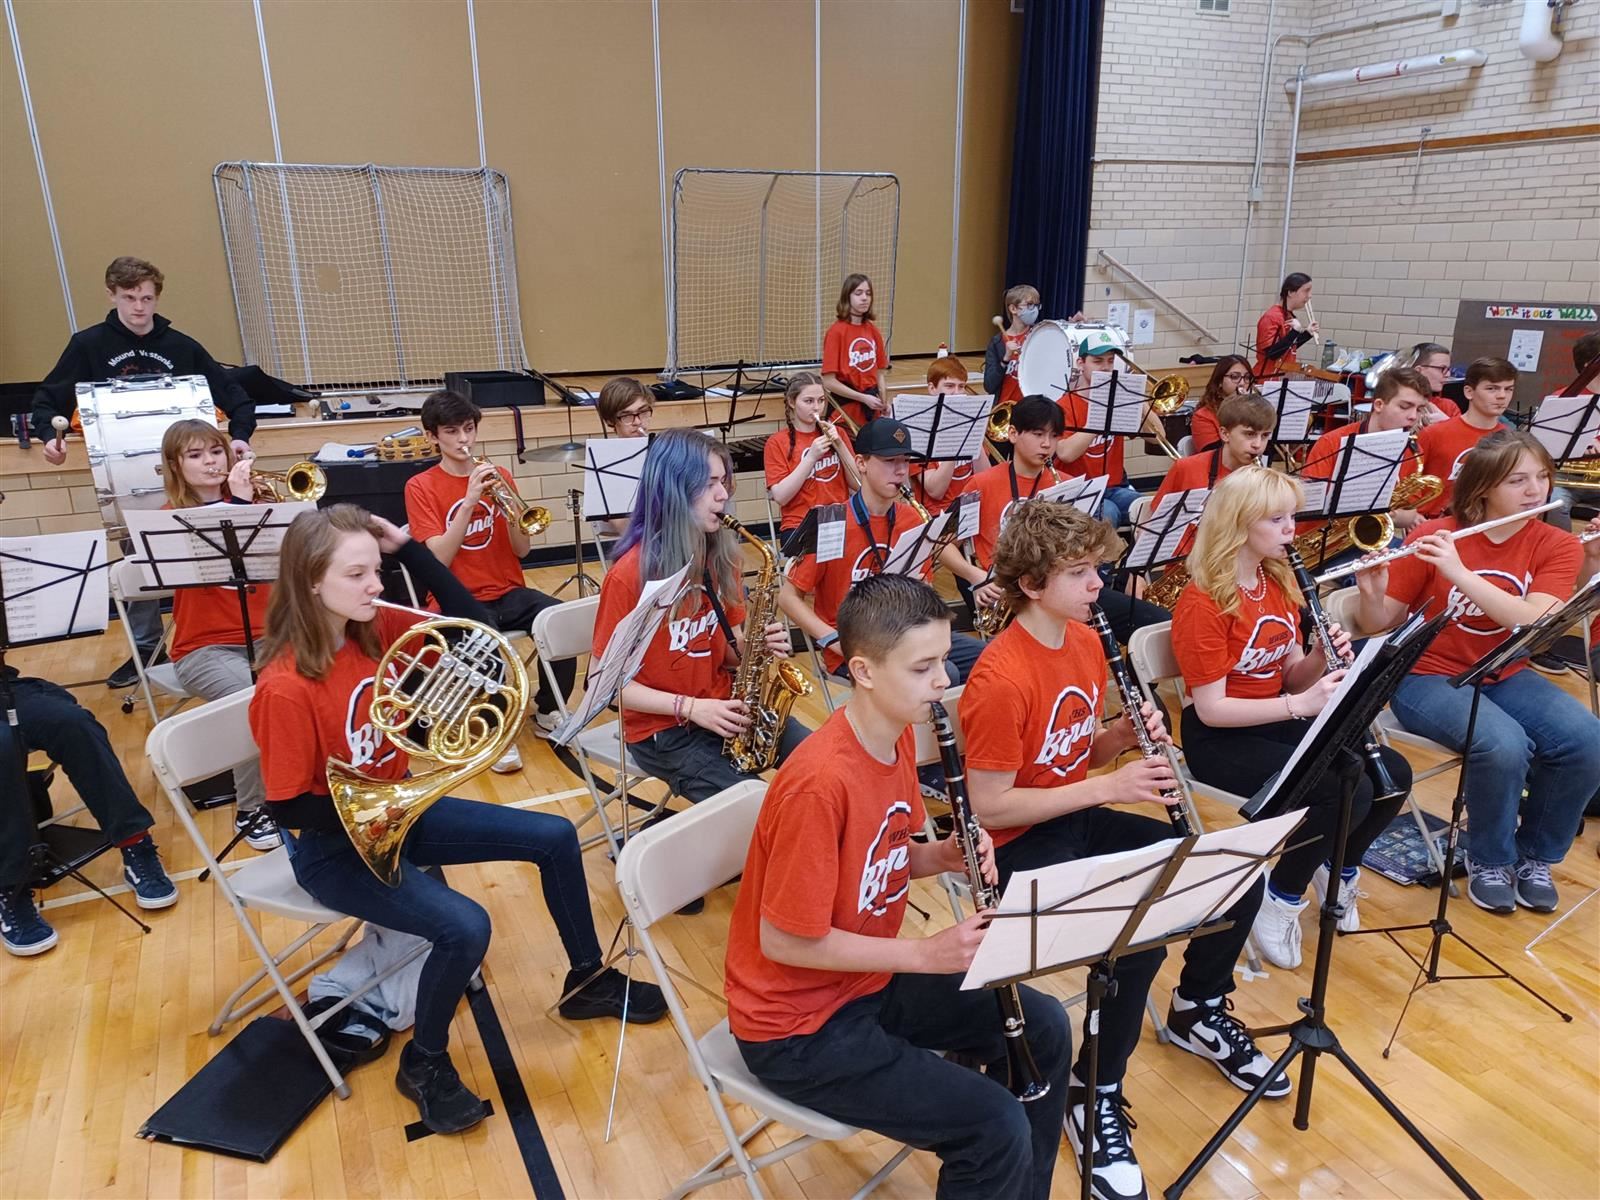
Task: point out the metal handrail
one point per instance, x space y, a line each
1102 259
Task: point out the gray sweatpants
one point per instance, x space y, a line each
212 672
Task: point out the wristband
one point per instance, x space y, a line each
1288 705
827 639
677 708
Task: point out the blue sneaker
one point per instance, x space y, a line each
23 930
141 867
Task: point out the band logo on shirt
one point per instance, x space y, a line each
1070 732
363 740
480 530
1465 614
1269 644
888 862
1455 467
826 468
863 354
865 566
686 632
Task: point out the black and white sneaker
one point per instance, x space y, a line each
445 1104
1115 1174
1209 1029
259 829
141 867
23 930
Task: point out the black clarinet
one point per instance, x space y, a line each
1025 1083
1384 786
1132 699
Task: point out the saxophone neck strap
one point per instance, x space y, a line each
722 616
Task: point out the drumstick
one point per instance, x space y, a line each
59 424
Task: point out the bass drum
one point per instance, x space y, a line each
124 421
1049 355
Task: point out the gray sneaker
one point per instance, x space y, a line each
1492 888
1535 888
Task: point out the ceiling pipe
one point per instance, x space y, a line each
1374 72
1537 39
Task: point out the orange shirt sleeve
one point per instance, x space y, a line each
619 592
775 457
424 513
803 837
1200 639
833 357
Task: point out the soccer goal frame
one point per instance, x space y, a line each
756 258
364 276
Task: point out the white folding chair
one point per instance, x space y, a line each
1185 446
1588 673
1342 608
659 871
1139 510
127 581
518 637
564 631
206 741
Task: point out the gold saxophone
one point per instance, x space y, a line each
768 685
1367 531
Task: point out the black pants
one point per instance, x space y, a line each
870 1065
514 613
1207 960
691 761
1242 760
49 719
1126 613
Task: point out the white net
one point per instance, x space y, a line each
363 276
757 259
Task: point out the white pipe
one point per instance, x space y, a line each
1537 38
1374 72
1288 187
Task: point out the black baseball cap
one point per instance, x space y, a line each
885 438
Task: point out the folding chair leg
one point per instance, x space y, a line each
713 1171
229 1013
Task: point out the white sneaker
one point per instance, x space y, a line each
545 723
508 763
1350 894
1277 930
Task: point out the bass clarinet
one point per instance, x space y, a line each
1025 1083
1132 699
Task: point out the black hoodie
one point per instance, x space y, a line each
110 349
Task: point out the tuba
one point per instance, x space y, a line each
768 685
450 690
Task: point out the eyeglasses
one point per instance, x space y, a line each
1237 377
635 414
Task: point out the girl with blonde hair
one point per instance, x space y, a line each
1252 687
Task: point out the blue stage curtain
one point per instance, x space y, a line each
1050 165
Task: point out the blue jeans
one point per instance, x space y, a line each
1118 501
450 833
1529 734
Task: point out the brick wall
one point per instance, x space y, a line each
1391 243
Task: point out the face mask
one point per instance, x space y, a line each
1028 314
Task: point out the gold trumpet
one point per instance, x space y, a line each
1580 474
303 481
461 688
531 519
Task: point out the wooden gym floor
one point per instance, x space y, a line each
97 1033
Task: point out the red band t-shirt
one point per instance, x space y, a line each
831 850
1445 445
301 723
1325 451
486 564
1187 474
1033 710
998 489
1250 646
828 583
1103 458
1205 431
960 480
688 654
209 616
855 354
825 485
1537 558
1270 328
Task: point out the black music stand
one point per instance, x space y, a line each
1524 642
1292 425
1567 426
950 428
1159 537
57 852
1180 888
1112 400
1333 742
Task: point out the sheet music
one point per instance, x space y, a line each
1566 426
971 515
1371 467
949 431
1073 928
55 585
184 547
1356 677
830 533
1294 399
624 652
1086 495
1124 402
1162 532
914 547
611 470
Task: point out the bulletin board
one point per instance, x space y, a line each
1537 338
